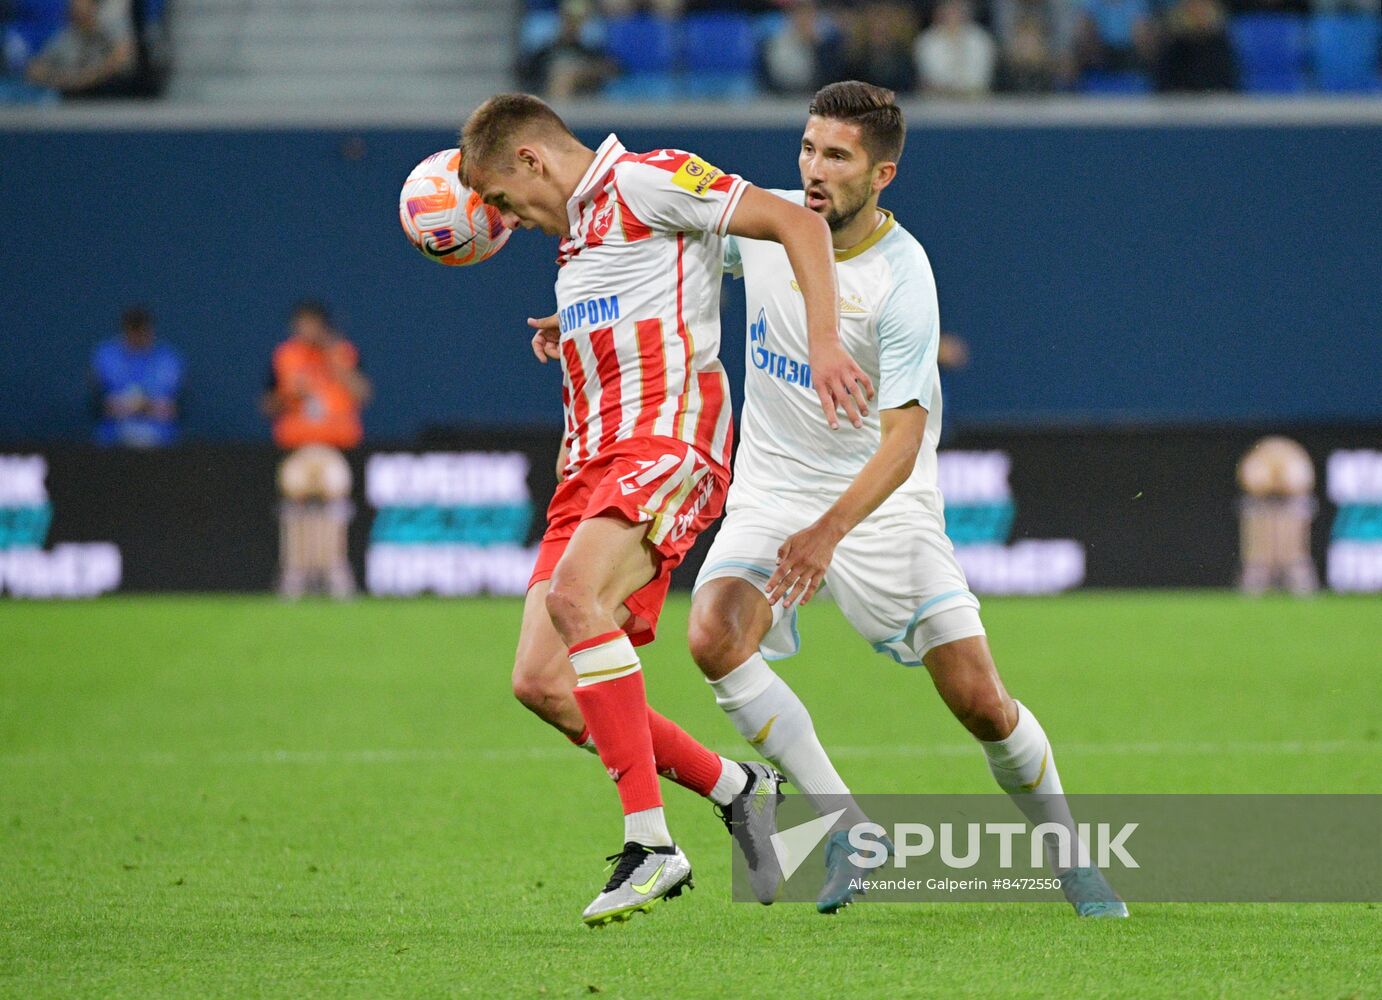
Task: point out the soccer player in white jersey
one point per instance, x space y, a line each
648 432
858 509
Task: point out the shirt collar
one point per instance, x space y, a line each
870 241
610 150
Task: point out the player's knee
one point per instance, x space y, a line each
714 646
570 606
540 693
983 709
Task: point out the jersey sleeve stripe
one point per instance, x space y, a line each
669 160
731 203
634 227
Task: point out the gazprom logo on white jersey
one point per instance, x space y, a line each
601 309
790 370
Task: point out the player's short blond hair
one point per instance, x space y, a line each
501 123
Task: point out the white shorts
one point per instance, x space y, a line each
315 472
894 577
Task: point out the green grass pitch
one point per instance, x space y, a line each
233 797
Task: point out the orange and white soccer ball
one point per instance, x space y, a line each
444 219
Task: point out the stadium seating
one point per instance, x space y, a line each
1344 48
33 23
383 52
540 28
1271 51
717 54
642 43
645 47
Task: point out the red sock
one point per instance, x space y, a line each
680 757
615 710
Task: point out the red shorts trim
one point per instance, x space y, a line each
661 482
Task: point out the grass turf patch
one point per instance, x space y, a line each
235 797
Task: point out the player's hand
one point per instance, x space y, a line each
840 384
801 564
547 338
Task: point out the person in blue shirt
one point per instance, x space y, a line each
137 382
1115 36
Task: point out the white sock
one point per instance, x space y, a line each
1025 768
731 782
772 718
647 827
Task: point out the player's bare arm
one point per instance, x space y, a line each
839 382
805 556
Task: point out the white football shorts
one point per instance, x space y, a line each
894 576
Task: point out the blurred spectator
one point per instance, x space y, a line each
94 56
1036 39
801 57
314 398
136 383
1059 20
1277 477
952 352
1029 64
567 67
955 57
1196 54
315 388
1115 35
879 46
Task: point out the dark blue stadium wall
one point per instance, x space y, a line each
1100 275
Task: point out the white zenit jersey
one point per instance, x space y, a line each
638 300
890 325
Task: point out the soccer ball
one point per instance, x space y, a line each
444 219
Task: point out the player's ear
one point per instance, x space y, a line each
528 157
883 174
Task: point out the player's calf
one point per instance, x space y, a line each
967 681
542 676
1020 758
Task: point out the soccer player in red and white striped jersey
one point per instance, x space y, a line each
648 434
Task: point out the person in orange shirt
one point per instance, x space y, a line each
314 397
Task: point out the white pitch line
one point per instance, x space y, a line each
557 751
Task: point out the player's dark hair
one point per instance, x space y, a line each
873 109
311 307
497 125
137 318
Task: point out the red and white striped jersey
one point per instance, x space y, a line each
638 299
